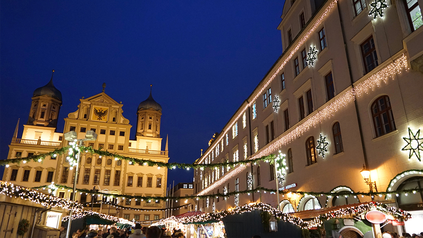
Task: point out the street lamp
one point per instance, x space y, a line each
368 180
72 138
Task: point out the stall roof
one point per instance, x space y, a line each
310 214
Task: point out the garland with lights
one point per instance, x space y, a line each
82 214
256 190
46 200
88 204
73 151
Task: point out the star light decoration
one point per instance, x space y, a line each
280 166
322 145
276 104
378 6
414 144
311 56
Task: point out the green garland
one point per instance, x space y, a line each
256 190
23 227
35 158
41 157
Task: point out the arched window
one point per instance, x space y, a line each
288 208
258 176
337 138
383 119
312 204
311 151
290 162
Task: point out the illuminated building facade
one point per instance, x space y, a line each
103 115
344 94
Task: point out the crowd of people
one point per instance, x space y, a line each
404 235
137 232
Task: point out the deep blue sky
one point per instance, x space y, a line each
204 58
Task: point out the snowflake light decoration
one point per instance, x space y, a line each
414 144
280 166
378 6
322 145
311 56
276 103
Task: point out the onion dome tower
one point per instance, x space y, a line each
46 103
149 115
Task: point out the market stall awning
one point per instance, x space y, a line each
187 214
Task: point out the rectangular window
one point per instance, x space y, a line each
309 101
65 175
130 181
264 100
235 130
302 20
120 147
50 176
139 181
254 111
304 58
156 217
368 51
227 139
245 150
102 131
126 216
38 176
138 202
86 176
158 182
286 118
117 178
112 132
121 133
330 90
72 128
256 140
61 194
146 217
110 147
267 134
149 182
236 156
359 5
18 154
296 67
136 217
414 14
107 174
272 131
301 107
322 38
269 96
128 201
100 146
289 36
83 129
283 81
97 174
244 120
14 175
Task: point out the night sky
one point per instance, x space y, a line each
204 58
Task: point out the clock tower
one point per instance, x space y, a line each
149 115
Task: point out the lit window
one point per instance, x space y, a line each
254 111
244 120
414 14
264 100
359 5
235 130
256 143
227 139
311 151
236 156
322 38
245 150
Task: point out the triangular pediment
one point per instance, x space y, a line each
101 98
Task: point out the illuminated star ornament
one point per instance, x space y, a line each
311 56
414 144
276 103
378 6
322 145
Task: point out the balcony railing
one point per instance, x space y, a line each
147 151
36 142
